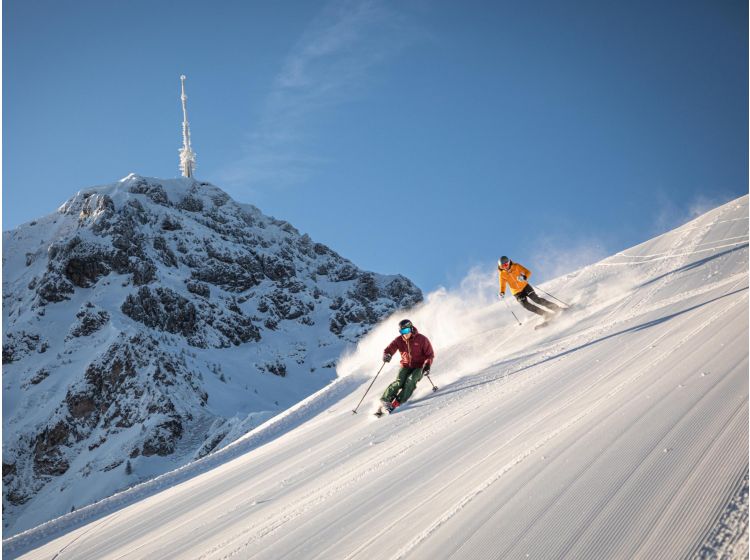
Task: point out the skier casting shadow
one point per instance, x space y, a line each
515 276
416 359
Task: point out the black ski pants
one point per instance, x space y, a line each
527 294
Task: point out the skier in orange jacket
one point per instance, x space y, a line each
515 276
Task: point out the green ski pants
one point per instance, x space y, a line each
404 386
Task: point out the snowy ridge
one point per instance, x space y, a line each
620 431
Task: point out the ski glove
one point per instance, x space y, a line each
522 277
426 368
386 357
502 294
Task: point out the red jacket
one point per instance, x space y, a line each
415 352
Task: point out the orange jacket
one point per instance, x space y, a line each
511 277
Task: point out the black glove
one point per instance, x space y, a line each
387 357
522 277
426 368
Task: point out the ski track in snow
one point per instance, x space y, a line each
539 444
619 432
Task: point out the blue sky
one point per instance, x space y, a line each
414 137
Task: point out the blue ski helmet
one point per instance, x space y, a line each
405 326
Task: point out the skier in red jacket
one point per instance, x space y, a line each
416 359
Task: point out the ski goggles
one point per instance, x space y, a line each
505 264
405 330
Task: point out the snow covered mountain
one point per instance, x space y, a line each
619 431
149 322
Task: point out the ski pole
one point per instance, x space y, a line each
368 389
550 295
431 383
509 309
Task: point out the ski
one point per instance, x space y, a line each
386 409
545 322
383 410
551 318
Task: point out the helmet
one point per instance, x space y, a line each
405 326
503 262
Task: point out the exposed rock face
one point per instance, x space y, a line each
88 321
17 345
146 320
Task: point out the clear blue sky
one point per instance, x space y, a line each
416 137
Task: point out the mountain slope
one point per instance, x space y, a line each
149 322
619 431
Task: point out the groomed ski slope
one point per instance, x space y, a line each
619 431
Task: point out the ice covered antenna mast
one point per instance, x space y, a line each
187 155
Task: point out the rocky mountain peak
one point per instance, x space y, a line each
148 322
